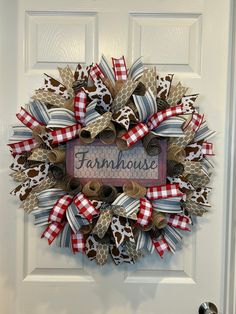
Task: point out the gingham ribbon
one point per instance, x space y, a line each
52 231
27 119
160 245
59 209
207 148
65 134
178 221
162 115
163 191
77 242
96 72
84 206
145 212
195 121
23 146
135 134
80 101
120 70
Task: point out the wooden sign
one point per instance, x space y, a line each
107 164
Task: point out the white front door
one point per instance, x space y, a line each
187 38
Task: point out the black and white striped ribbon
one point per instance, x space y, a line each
39 111
168 205
136 69
60 118
130 204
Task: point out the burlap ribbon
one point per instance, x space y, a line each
174 168
88 133
91 189
120 143
134 189
108 135
57 155
40 154
116 217
151 144
159 219
107 193
58 171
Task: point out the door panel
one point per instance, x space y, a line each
180 37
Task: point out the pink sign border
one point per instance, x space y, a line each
118 181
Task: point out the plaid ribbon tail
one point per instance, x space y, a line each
80 102
163 115
65 134
120 70
135 134
59 209
164 191
160 245
52 231
77 242
96 72
27 119
23 146
178 221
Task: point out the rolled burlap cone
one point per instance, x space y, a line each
174 168
175 152
120 143
133 189
58 171
40 129
85 137
159 219
107 193
91 189
86 229
57 155
108 136
146 228
69 104
151 144
72 185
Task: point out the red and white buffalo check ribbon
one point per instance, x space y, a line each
161 245
96 72
135 134
195 121
77 242
207 149
52 231
162 115
59 209
80 102
178 221
145 212
65 134
27 119
85 207
23 146
163 191
120 69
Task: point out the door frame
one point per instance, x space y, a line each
229 272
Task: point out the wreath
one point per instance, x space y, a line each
112 105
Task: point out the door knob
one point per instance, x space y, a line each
208 308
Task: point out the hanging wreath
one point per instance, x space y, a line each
130 111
